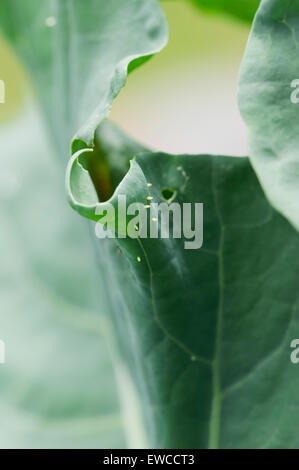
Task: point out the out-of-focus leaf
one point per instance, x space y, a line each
57 388
243 9
208 330
268 72
78 53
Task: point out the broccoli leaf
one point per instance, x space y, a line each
79 53
57 385
207 331
269 105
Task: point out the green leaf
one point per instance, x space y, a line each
79 52
269 68
57 387
244 9
78 57
207 331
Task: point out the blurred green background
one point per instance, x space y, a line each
184 100
58 388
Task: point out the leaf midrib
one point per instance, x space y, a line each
216 404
